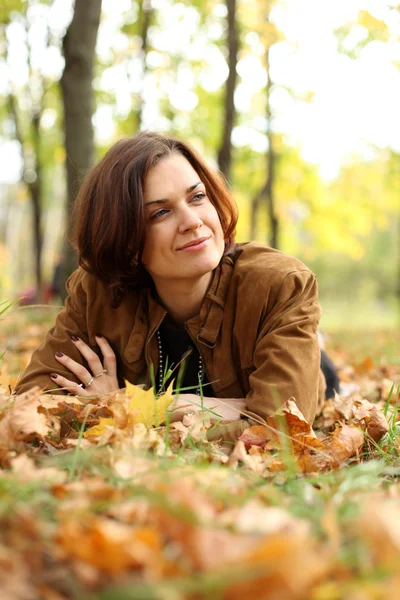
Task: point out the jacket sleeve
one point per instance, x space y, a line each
70 321
287 355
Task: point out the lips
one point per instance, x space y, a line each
193 243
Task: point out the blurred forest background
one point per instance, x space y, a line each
296 101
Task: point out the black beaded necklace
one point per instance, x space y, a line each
200 373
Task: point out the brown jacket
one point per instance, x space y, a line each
256 331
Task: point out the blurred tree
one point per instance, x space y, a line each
355 35
76 84
26 121
269 35
225 150
132 53
145 19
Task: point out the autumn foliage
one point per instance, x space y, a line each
105 496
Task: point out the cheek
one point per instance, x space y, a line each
218 227
156 245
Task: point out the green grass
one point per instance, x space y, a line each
340 315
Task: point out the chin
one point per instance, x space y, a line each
202 267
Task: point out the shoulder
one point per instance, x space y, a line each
257 260
80 281
267 284
265 276
85 286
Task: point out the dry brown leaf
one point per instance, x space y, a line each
22 421
284 566
312 454
56 404
257 519
197 534
365 366
254 462
295 426
15 578
24 467
379 526
110 546
372 418
258 435
343 406
344 443
197 425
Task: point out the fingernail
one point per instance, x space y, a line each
74 338
54 375
59 354
99 335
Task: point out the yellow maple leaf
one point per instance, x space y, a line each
99 429
150 410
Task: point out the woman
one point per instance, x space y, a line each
161 278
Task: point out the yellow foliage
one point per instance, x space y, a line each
59 154
136 406
377 28
151 411
99 429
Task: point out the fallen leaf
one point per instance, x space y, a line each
23 422
343 406
379 526
344 443
285 566
372 418
254 462
151 411
98 430
258 435
24 467
291 423
110 546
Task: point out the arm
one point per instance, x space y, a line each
70 321
287 354
218 409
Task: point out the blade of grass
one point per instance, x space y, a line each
78 449
387 403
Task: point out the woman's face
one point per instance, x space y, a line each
179 214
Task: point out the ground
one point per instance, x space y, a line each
97 503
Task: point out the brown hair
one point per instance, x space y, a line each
110 222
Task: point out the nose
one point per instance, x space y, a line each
189 219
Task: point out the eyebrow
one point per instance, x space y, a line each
165 200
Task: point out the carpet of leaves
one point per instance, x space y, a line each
94 504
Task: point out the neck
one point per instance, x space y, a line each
182 299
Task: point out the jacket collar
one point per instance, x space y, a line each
204 327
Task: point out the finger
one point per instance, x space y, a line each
71 386
110 360
93 360
73 366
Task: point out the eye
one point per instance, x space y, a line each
158 214
198 197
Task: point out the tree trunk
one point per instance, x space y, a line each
34 187
79 46
255 205
225 151
266 194
146 13
270 182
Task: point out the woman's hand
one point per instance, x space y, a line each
218 409
99 380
